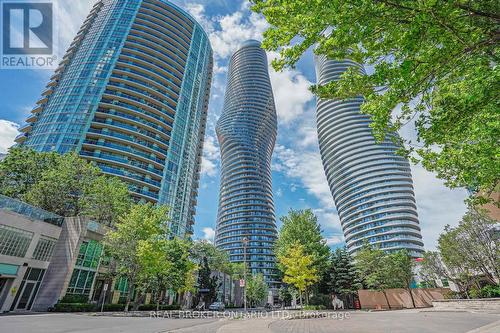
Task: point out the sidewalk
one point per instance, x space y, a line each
247 325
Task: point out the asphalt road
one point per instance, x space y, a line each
407 321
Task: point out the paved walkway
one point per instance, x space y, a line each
410 321
79 323
404 321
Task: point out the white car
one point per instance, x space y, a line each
216 306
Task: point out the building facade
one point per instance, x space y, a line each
371 184
43 257
246 132
131 94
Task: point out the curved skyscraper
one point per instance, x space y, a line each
247 133
371 184
131 94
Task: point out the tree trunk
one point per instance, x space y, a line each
386 299
412 299
127 303
137 301
300 298
131 283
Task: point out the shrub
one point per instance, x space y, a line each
74 307
450 294
152 307
320 299
314 307
113 307
74 298
490 291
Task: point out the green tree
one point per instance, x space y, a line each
465 252
256 289
190 287
376 269
403 271
154 267
207 282
343 278
436 62
63 184
22 168
65 188
298 268
285 294
125 242
177 252
474 244
433 268
218 260
165 265
108 198
238 270
302 227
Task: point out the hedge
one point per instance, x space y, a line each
74 307
152 307
112 307
74 298
87 307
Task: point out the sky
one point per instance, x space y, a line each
298 177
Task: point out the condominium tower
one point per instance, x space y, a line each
371 184
131 94
246 226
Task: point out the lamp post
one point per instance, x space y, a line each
245 243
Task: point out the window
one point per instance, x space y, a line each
44 248
81 282
13 241
85 270
89 255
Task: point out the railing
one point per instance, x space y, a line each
32 212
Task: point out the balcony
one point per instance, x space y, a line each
13 205
25 128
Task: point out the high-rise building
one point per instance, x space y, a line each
247 133
371 184
131 94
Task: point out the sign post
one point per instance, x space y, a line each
105 288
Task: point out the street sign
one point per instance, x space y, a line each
105 287
242 283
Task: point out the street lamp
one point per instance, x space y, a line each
245 243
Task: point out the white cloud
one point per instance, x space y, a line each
233 29
291 92
197 10
211 156
8 132
305 166
328 217
437 205
227 32
308 135
334 240
209 234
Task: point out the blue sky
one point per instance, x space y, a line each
298 177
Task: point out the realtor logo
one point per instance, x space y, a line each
28 34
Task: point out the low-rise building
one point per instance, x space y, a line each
44 256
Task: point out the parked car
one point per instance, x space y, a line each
216 306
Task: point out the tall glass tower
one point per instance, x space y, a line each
371 184
247 133
131 94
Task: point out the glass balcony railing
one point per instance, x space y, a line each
29 211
